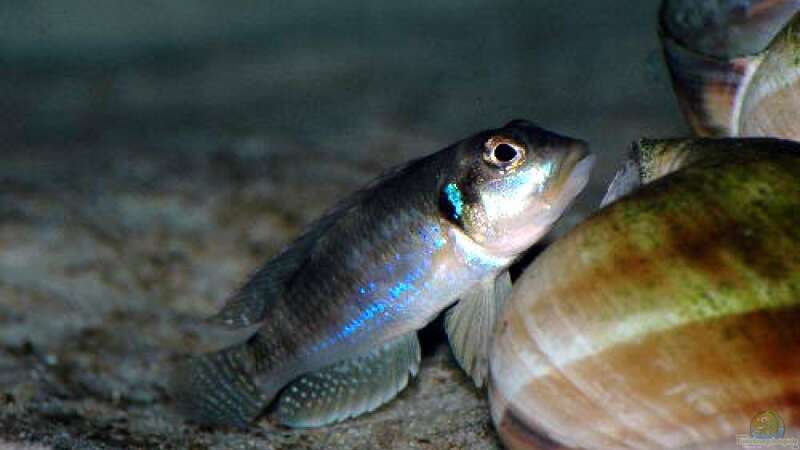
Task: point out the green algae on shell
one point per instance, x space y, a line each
666 320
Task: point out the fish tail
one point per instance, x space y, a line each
218 388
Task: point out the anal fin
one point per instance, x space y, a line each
351 387
470 324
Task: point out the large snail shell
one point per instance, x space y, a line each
651 159
669 319
735 65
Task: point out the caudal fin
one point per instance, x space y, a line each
218 389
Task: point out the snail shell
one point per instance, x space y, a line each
670 318
735 65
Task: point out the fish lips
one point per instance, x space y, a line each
575 169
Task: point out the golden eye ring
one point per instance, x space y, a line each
503 153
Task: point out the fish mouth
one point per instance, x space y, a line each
534 217
576 169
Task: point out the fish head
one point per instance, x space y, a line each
511 184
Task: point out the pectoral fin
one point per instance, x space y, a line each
351 387
470 324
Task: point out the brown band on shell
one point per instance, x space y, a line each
708 89
517 435
682 302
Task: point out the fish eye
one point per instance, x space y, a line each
503 153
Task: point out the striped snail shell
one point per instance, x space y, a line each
735 65
668 319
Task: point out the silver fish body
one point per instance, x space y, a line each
329 326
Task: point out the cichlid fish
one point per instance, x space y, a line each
328 328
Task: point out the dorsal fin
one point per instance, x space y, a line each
248 304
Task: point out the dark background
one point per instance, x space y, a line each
341 77
152 153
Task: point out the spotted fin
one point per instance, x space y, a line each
351 387
218 388
470 324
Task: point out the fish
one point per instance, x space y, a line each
327 329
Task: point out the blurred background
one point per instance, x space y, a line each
154 153
351 79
